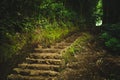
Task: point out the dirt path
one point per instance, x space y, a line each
92 63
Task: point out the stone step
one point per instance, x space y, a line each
21 77
87 56
78 71
42 47
71 40
39 46
59 47
63 44
34 72
76 65
39 66
44 61
45 56
47 50
116 60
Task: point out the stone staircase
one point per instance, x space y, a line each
44 63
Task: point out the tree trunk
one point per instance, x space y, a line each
111 11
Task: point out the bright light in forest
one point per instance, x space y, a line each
99 13
99 23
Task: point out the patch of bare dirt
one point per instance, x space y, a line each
92 64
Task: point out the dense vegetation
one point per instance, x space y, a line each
111 37
111 26
24 22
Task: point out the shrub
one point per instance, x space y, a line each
111 37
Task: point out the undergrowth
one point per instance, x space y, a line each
111 37
32 22
44 36
76 47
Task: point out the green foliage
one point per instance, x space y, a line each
52 31
55 11
31 21
76 47
98 13
112 29
111 37
105 36
11 45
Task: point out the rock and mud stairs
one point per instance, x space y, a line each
43 63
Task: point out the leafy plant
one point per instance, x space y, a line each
111 37
77 46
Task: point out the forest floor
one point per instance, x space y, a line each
92 63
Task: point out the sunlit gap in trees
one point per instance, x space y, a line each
99 13
99 23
